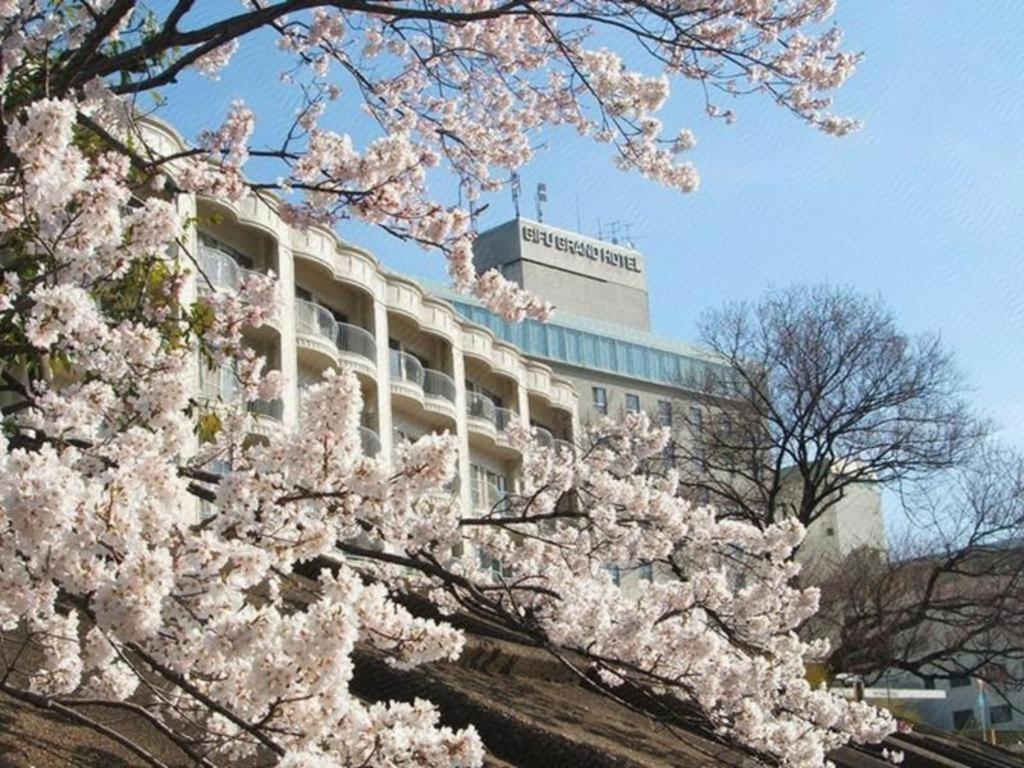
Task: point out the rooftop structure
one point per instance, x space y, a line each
579 274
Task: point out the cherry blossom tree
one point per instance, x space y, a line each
113 589
463 85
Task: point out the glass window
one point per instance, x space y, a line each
696 418
647 572
1000 714
632 403
615 572
959 682
600 400
964 718
665 413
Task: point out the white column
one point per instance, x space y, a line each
461 428
385 423
286 319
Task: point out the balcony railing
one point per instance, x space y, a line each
405 367
272 408
221 269
438 384
314 320
352 338
480 406
503 417
369 441
563 446
543 436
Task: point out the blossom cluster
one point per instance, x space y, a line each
105 568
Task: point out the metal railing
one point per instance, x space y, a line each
543 436
221 269
438 384
480 406
405 367
503 417
369 441
352 338
272 408
314 320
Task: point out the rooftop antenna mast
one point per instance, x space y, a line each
624 227
517 190
541 198
614 226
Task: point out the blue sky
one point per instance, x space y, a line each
925 207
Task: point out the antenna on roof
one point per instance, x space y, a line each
542 197
629 237
623 227
516 191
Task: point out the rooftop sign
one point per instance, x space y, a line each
577 245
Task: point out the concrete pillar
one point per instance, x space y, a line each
385 423
461 429
286 322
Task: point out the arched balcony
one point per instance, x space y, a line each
413 382
325 341
481 414
369 441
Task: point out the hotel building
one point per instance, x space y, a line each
429 359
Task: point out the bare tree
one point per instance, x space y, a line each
817 391
950 601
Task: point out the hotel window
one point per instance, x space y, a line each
600 400
1000 714
208 509
647 572
963 719
632 403
696 419
498 571
615 572
664 413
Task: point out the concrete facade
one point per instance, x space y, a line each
855 522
